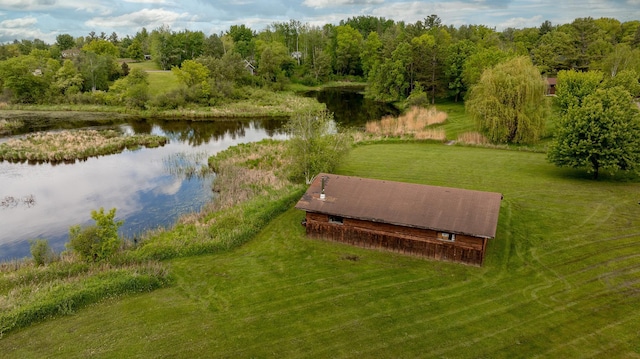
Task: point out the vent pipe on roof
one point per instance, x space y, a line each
322 193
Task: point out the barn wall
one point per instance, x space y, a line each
399 239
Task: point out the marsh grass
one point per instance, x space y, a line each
473 138
251 188
414 123
187 165
8 126
13 202
69 146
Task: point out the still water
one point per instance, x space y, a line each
146 186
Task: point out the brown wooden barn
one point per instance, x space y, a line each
436 222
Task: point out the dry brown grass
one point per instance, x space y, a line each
431 134
473 138
413 123
244 172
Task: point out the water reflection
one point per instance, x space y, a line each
351 108
147 190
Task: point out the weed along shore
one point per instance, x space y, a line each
65 146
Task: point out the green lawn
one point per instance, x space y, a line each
160 82
144 65
561 280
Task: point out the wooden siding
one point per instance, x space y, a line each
399 239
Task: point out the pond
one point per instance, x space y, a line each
150 188
351 108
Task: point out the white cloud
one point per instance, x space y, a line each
21 28
521 22
17 23
145 17
319 4
49 5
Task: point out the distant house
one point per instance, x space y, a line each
249 67
435 222
70 53
551 86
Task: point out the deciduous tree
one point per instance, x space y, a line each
315 145
65 41
573 86
191 73
347 51
603 133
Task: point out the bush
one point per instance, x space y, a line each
98 242
41 252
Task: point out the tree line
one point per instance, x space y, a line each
499 74
395 58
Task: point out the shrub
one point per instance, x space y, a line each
98 242
41 252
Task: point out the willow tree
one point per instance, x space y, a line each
508 103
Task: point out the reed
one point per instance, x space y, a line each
414 123
473 138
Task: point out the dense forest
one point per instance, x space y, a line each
396 59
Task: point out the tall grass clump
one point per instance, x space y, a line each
414 123
473 138
33 294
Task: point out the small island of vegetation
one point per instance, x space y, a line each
66 146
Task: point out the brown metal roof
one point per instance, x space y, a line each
443 209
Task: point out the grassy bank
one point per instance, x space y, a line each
560 280
251 195
257 103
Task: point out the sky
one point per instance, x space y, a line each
45 19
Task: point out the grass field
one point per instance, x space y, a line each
160 82
561 280
144 65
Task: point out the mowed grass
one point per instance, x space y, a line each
144 65
160 82
561 280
